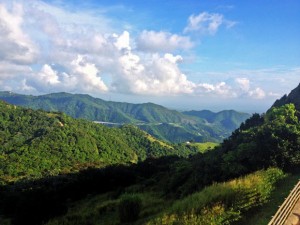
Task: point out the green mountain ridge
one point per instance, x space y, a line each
177 126
61 144
219 186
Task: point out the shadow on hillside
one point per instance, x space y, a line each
36 201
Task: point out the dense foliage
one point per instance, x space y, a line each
163 123
172 189
263 141
36 144
228 119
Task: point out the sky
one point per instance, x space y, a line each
182 54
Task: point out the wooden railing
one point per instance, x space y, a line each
287 206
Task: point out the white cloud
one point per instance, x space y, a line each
153 41
81 76
123 41
207 23
12 71
48 75
16 45
45 48
257 93
220 89
272 94
160 75
87 75
243 83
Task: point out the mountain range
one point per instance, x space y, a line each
58 143
55 169
165 124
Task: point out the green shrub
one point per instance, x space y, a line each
129 207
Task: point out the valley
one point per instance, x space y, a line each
165 124
86 172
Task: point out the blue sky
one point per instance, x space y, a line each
188 54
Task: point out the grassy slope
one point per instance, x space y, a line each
220 203
262 215
203 147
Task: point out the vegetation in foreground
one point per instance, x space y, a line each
183 189
220 203
262 215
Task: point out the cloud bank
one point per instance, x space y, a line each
45 48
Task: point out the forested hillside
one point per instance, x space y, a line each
293 97
229 119
167 190
165 124
37 143
222 186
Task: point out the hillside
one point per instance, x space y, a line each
292 97
229 119
35 144
170 190
165 124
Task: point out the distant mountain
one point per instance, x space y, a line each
229 119
87 107
293 97
163 123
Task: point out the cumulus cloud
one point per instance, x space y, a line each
81 76
44 54
207 23
87 75
157 75
220 89
16 45
123 41
48 76
245 89
153 41
243 83
257 93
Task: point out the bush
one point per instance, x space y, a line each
129 207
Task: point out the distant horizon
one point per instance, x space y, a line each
194 55
180 108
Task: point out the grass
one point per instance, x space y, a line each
153 139
223 203
262 215
220 203
203 147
